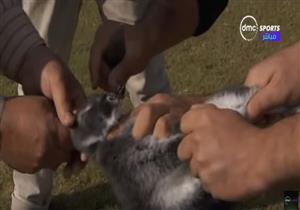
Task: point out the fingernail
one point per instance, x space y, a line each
68 119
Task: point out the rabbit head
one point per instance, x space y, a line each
95 120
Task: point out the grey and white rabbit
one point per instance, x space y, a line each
147 174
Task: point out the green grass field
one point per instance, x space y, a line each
200 65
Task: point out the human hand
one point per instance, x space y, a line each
131 47
45 74
234 159
278 79
32 136
107 51
158 116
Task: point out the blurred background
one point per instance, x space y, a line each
200 65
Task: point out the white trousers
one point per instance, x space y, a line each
56 22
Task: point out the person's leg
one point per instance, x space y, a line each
151 81
32 191
56 22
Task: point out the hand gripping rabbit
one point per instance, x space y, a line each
147 174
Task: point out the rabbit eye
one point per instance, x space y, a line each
111 98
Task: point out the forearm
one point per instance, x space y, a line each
18 38
283 154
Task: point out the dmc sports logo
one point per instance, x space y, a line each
249 29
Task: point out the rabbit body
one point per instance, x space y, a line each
147 174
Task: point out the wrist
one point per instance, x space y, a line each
29 75
283 154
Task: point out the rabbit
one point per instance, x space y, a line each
147 174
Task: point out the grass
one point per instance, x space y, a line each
200 65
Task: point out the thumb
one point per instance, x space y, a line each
128 67
104 75
264 100
62 104
119 76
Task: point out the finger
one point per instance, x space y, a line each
258 76
119 76
76 93
62 102
79 99
189 122
115 132
128 67
185 148
264 100
147 118
198 116
104 75
134 113
165 124
94 65
119 128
